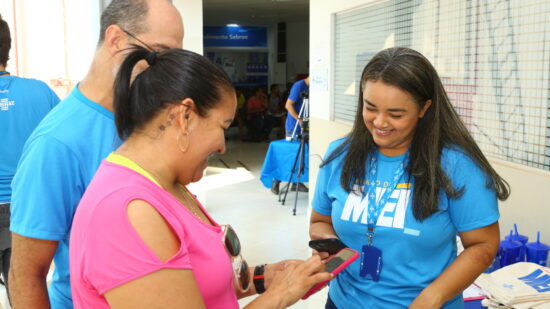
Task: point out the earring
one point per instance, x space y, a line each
183 149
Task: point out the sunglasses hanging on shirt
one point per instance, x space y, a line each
240 266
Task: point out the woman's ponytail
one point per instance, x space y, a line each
122 104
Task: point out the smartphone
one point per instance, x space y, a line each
330 245
335 265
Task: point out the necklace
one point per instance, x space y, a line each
185 191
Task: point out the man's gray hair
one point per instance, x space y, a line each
130 15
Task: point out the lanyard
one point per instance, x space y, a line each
375 208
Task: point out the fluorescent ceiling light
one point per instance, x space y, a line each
233 25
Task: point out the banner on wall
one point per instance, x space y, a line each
235 37
246 69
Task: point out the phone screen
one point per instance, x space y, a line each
338 260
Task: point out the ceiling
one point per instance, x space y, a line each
254 12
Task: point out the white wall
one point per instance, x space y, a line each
56 39
191 13
7 12
82 35
528 206
42 41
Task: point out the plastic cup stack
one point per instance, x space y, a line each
509 251
521 238
537 252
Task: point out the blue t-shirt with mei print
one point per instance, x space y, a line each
413 253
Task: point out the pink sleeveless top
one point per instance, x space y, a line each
106 251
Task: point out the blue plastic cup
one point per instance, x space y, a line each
509 251
537 252
521 238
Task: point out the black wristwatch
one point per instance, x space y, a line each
258 278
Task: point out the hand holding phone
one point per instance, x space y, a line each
330 245
335 265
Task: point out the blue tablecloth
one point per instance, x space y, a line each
473 304
279 160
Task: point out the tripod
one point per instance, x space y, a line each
299 161
298 169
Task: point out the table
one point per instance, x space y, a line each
279 160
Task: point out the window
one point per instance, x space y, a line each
492 56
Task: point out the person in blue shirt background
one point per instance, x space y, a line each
294 104
398 189
23 103
63 153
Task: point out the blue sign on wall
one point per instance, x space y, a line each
235 36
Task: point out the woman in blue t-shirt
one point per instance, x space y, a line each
405 181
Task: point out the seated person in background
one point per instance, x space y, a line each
139 238
240 113
256 106
275 110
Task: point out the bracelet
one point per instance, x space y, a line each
258 278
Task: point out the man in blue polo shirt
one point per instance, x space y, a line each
63 153
23 103
294 105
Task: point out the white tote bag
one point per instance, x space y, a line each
521 285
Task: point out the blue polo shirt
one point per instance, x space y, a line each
23 104
58 162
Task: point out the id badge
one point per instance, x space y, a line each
371 263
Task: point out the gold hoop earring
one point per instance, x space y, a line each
183 149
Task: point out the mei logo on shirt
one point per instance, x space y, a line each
5 104
393 214
537 280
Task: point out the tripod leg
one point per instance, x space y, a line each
292 173
296 197
301 153
281 193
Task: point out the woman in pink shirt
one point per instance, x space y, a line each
139 238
